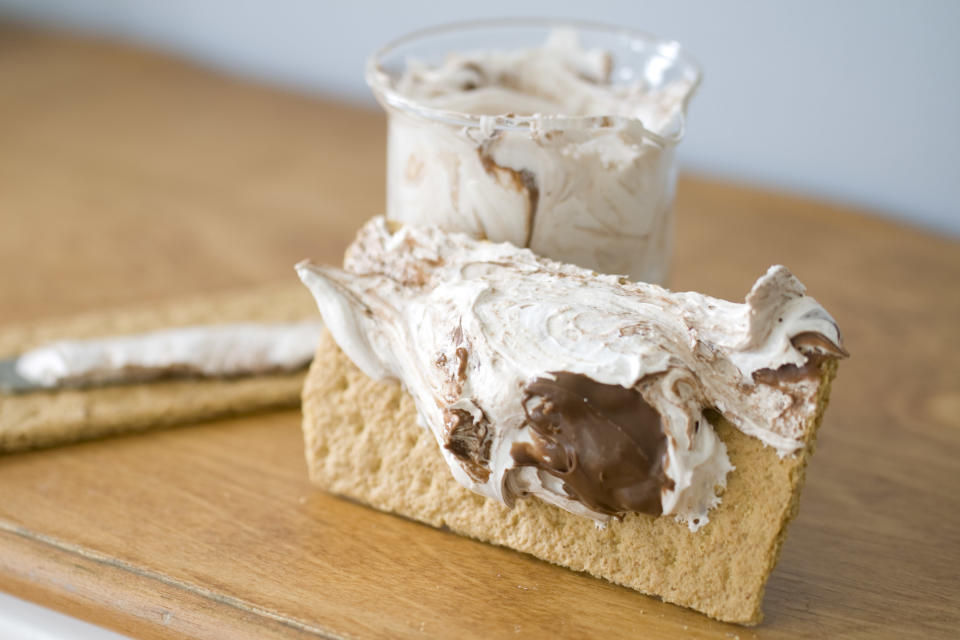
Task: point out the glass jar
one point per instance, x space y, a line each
557 136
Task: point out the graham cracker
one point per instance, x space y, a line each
46 418
363 442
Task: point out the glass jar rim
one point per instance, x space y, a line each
379 80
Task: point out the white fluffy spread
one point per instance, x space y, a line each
597 193
467 324
219 350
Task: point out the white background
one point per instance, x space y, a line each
21 620
854 101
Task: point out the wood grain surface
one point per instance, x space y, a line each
129 177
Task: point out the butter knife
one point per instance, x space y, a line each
201 351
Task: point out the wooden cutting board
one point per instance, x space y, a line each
127 177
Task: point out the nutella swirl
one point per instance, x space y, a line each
605 442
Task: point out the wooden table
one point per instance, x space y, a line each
127 177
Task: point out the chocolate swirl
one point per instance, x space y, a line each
604 441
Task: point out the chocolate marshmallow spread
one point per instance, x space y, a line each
214 350
542 147
585 390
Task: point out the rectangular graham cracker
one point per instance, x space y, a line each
363 442
47 418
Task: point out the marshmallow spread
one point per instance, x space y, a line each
587 391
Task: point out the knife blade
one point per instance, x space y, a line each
199 351
10 380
